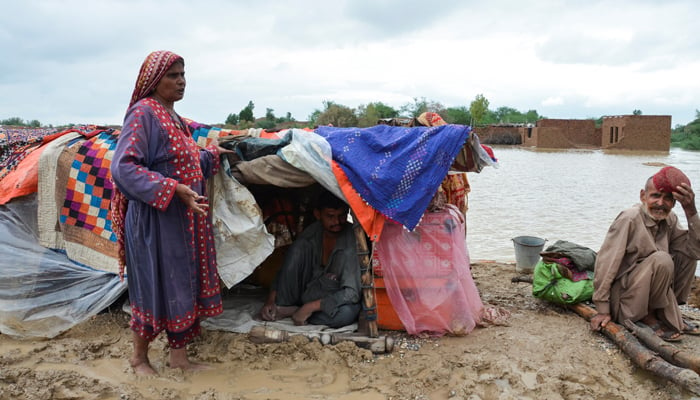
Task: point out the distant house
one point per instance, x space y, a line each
500 133
562 134
637 132
625 132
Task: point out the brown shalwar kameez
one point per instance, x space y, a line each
646 266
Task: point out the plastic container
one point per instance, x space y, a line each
527 253
386 315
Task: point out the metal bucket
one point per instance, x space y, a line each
527 253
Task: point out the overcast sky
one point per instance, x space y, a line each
76 61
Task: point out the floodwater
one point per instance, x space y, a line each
571 195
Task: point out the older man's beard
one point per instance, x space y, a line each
648 211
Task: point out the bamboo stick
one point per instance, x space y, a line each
262 334
642 356
367 279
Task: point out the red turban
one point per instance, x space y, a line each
668 178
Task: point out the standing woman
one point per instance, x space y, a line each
159 212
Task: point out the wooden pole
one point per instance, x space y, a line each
666 350
369 304
521 278
642 356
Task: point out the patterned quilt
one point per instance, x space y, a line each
75 193
88 186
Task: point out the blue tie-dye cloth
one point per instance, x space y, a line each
396 170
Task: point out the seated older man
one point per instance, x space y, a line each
646 265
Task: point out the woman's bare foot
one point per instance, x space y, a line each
192 366
139 360
142 368
178 359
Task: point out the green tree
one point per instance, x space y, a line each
286 118
313 117
419 106
15 121
232 119
637 112
458 115
265 124
385 111
478 108
337 115
370 114
246 113
687 136
270 114
531 116
415 109
507 115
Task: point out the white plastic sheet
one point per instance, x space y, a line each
42 292
242 241
311 153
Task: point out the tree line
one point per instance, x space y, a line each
687 136
333 113
16 121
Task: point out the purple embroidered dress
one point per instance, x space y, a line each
170 255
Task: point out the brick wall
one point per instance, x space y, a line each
499 134
570 133
637 132
629 132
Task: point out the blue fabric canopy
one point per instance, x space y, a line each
396 170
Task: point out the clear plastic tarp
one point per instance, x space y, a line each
42 292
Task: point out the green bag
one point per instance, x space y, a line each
549 284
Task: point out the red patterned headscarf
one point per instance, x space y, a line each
152 70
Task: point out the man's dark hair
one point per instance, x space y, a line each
328 200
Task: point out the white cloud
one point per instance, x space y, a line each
553 101
76 61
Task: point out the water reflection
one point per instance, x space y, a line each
570 195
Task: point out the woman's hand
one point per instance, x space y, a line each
192 199
222 150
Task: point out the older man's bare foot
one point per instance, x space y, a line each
142 368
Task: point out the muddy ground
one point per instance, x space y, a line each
545 352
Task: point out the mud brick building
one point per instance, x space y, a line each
624 132
562 134
500 133
637 132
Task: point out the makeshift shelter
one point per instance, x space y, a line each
58 251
